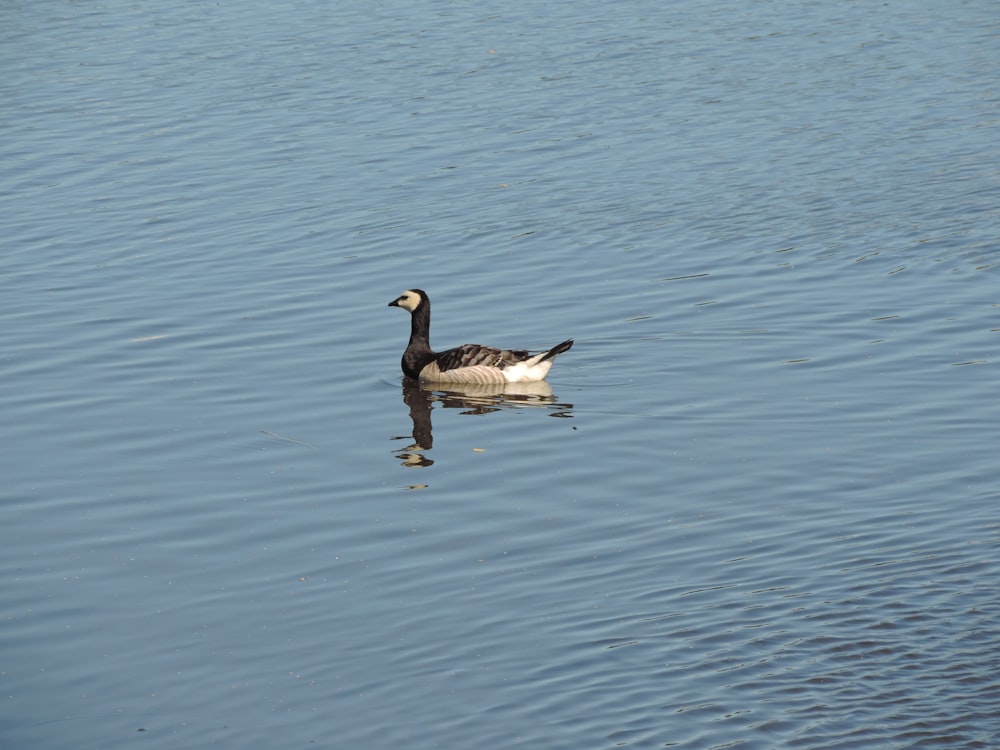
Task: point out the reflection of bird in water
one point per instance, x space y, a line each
468 363
474 399
420 414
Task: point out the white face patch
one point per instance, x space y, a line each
409 300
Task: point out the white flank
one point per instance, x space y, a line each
477 374
526 372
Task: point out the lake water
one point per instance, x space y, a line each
758 505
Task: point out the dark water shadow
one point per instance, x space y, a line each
473 400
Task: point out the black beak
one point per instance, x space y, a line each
394 303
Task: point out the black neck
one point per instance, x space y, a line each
420 325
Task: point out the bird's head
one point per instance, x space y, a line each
410 300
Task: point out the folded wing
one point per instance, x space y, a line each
476 355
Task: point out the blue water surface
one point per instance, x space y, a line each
755 506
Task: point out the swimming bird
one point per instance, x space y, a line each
468 363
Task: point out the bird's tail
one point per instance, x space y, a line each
557 349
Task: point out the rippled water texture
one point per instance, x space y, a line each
755 506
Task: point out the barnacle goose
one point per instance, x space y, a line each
468 363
